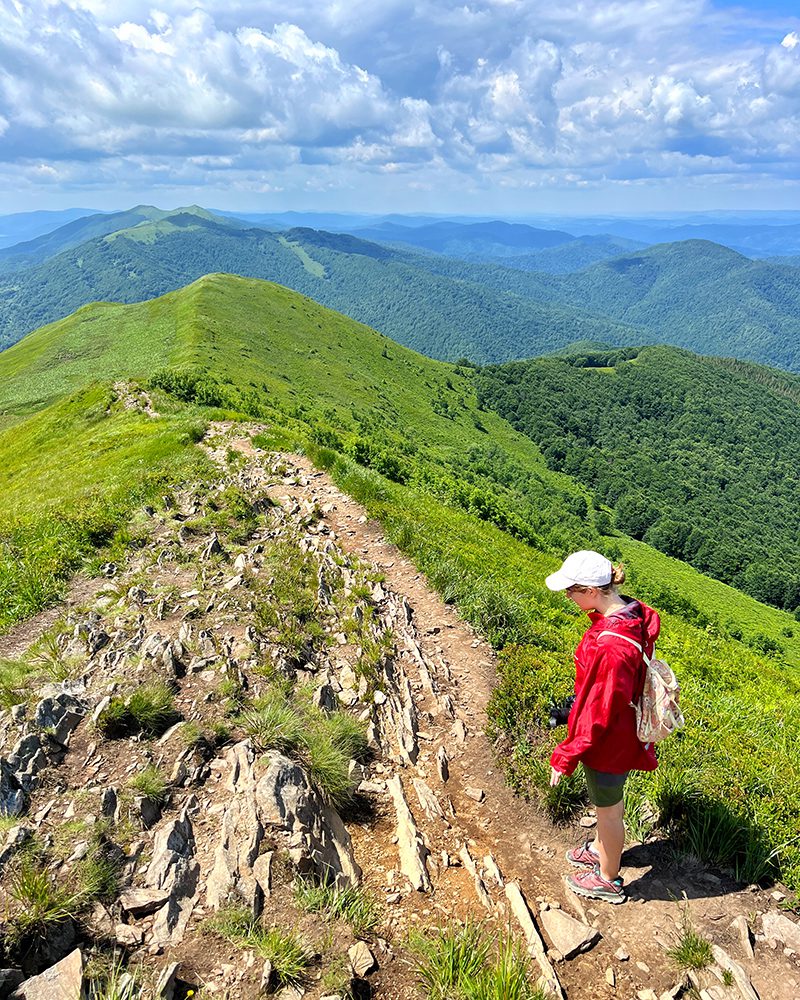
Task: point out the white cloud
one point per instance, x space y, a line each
517 91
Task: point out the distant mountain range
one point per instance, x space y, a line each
391 290
694 294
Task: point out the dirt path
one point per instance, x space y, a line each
526 846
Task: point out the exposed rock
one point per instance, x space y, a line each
213 548
167 981
63 981
140 902
10 979
314 832
12 795
15 838
59 716
171 920
128 935
262 872
428 801
361 958
519 908
173 843
742 980
109 802
742 929
443 764
147 811
411 849
477 794
611 977
240 836
569 936
778 927
269 978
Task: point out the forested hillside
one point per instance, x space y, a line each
393 291
698 456
692 294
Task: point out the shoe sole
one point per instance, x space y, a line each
588 894
581 864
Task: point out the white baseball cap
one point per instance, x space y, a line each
585 568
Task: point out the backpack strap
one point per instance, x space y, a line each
627 638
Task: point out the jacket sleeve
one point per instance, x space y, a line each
604 696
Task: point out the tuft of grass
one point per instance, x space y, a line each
149 710
152 784
352 904
42 904
461 963
273 723
285 950
347 734
15 678
691 950
328 767
98 875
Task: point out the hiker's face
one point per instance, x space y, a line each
584 597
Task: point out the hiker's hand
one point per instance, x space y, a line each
555 777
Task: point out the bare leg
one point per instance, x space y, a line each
610 839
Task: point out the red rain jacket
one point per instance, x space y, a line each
609 676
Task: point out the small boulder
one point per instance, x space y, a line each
63 981
569 936
361 958
778 927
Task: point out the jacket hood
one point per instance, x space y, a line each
643 623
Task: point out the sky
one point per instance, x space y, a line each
510 107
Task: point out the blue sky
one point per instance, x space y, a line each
473 106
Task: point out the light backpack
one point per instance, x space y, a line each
658 712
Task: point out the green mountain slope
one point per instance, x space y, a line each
463 493
699 457
393 291
692 294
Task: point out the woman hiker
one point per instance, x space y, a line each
601 731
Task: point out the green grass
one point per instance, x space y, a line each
355 905
152 784
691 950
289 955
463 963
40 905
149 709
467 498
323 743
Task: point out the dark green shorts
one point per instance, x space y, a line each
604 789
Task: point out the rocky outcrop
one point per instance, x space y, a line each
63 981
313 832
240 836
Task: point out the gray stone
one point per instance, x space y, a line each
147 811
59 716
169 925
412 851
361 958
778 927
109 802
10 979
173 842
63 981
313 831
740 925
15 838
240 837
12 794
742 980
140 902
167 981
569 936
269 978
128 935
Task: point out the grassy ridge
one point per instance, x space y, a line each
71 478
468 497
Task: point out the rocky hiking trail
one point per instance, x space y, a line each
433 833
